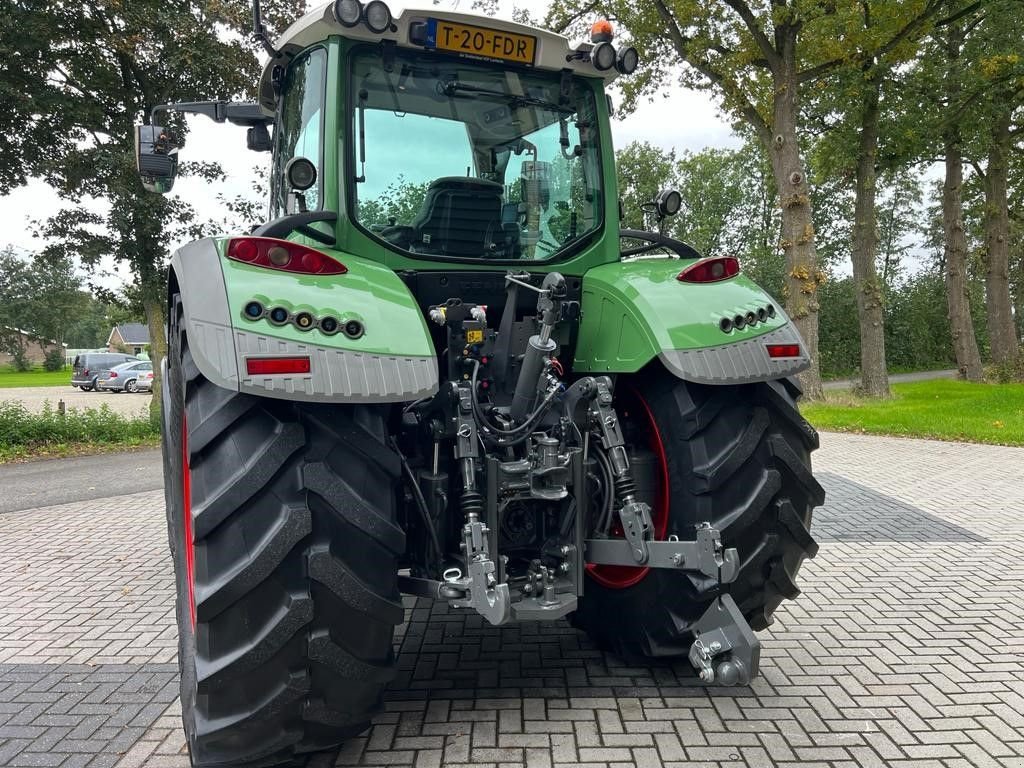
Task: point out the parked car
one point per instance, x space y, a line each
87 367
145 381
124 377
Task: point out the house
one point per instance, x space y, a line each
129 337
35 349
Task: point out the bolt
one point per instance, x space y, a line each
564 567
565 550
677 559
716 646
707 675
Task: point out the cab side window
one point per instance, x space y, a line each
300 127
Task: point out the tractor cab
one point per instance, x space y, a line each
429 135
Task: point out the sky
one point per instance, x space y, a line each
679 119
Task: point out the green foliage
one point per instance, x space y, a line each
54 359
917 335
1007 373
838 331
942 409
643 170
399 203
25 433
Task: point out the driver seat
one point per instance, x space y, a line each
460 216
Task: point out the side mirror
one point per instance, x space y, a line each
667 203
156 157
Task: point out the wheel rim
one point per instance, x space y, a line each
130 385
186 473
623 576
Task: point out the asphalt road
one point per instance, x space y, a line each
895 378
63 481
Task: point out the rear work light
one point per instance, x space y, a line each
711 270
283 255
783 350
264 366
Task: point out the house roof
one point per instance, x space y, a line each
131 333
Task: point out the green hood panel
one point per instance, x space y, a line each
634 311
369 292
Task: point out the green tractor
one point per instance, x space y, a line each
443 369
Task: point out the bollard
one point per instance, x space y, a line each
60 406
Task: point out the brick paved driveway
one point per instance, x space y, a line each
905 649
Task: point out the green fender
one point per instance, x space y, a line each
393 360
635 311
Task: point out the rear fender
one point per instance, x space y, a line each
636 311
393 360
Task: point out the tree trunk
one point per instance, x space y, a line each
1002 334
870 310
965 345
802 278
155 310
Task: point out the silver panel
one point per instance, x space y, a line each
738 363
205 302
336 375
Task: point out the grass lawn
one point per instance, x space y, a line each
34 378
942 410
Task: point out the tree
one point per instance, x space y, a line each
58 297
873 39
643 170
715 197
999 55
899 208
81 76
17 293
965 344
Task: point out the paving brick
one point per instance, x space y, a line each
906 647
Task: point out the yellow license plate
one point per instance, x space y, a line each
480 41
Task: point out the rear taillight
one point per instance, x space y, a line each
284 255
711 270
113 374
85 372
263 366
783 350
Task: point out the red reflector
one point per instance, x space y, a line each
283 255
262 366
783 350
711 270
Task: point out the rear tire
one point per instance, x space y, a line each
284 544
739 457
129 386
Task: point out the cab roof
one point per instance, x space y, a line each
553 51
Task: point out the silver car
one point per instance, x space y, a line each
124 377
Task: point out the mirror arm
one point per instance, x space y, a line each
238 113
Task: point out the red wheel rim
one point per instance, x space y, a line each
623 576
186 488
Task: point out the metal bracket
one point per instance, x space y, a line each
726 651
705 555
488 598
